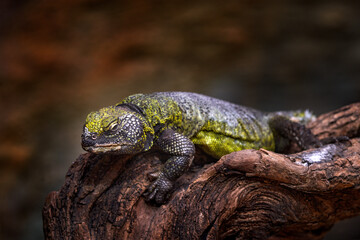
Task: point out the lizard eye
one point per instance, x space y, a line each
114 126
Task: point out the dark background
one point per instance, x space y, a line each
61 59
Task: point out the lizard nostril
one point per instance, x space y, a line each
93 136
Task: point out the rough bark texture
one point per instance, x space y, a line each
251 194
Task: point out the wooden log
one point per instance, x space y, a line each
251 194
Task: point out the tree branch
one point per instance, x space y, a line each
251 194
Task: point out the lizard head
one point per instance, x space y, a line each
117 129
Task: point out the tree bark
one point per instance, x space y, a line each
250 194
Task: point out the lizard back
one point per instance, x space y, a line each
217 126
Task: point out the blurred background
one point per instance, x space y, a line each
59 60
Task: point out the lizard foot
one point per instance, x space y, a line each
158 191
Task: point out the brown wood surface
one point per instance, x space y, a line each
251 194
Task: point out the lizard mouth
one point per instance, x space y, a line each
103 148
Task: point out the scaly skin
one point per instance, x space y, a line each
175 121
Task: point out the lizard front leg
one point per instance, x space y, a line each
183 151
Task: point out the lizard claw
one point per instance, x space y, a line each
158 191
153 175
338 139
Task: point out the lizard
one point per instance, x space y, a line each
177 121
